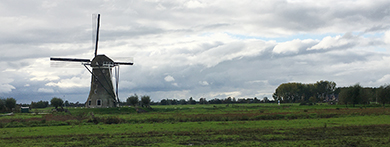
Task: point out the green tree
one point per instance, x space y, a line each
191 101
383 94
39 104
132 100
182 102
2 105
324 88
353 95
202 101
10 103
66 103
145 100
164 102
312 99
57 102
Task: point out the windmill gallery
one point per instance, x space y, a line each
101 93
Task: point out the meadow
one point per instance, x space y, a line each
206 125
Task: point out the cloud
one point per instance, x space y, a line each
169 79
203 83
46 90
5 88
195 48
68 83
330 42
293 46
387 37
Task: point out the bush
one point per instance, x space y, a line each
106 120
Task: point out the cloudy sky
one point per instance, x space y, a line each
195 48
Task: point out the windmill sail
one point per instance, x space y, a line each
97 33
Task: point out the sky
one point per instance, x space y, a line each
193 48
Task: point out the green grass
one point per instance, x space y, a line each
208 125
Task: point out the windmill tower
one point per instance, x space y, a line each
102 92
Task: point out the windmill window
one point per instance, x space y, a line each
89 102
99 102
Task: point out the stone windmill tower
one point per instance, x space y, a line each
102 92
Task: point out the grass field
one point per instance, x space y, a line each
206 125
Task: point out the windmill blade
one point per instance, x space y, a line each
123 63
123 60
69 62
97 33
117 83
70 59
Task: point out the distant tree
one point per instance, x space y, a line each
265 100
356 94
228 100
202 101
383 94
145 100
132 100
66 103
39 104
57 102
174 102
353 95
312 99
164 102
345 96
324 88
182 102
191 101
215 101
2 105
10 103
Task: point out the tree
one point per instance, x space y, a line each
57 102
40 104
66 103
344 96
191 101
202 101
324 88
182 102
10 103
265 99
383 94
312 99
132 100
164 102
2 105
145 100
353 95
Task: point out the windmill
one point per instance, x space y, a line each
102 92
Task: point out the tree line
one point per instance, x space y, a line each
357 94
228 100
326 91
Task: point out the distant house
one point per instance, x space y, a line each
25 109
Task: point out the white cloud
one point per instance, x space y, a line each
45 90
203 83
169 79
387 37
293 46
5 88
330 42
385 79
